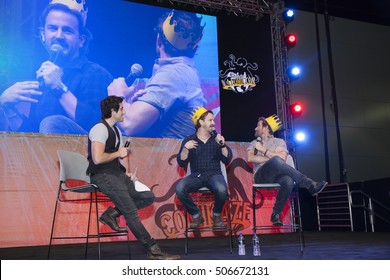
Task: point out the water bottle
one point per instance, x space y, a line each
256 245
241 245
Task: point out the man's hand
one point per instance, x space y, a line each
51 74
20 92
192 144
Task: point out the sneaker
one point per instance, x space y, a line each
196 222
275 220
319 187
218 223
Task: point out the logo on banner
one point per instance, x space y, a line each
238 76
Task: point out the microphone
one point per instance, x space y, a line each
214 133
135 71
258 139
54 53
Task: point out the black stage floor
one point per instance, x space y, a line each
285 246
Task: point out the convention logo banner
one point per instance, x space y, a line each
238 75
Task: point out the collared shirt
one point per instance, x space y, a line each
272 144
174 89
205 160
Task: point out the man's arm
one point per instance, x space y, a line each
139 117
263 154
99 156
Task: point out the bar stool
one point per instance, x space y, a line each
73 168
202 197
295 208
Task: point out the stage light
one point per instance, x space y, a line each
288 15
291 40
296 109
299 136
294 73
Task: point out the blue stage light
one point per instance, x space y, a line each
294 72
300 136
288 15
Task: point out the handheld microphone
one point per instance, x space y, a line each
54 53
135 71
258 139
214 133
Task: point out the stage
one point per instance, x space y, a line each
319 246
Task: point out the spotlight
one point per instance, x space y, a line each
296 109
294 73
299 136
288 15
291 40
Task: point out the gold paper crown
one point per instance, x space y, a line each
198 112
179 35
274 122
76 5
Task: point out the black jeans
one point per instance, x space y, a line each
276 170
120 189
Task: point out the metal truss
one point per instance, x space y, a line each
245 8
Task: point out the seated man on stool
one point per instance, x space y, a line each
204 150
105 154
268 155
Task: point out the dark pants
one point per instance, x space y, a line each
120 189
276 170
192 183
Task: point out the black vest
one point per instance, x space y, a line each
112 167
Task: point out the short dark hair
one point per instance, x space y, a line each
265 123
202 117
108 104
190 23
82 29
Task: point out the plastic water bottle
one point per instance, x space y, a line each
256 245
241 245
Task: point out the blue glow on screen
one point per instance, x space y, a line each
123 34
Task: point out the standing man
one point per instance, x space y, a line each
105 151
163 108
204 151
64 97
268 155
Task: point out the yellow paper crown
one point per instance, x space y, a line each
198 112
77 5
179 35
274 122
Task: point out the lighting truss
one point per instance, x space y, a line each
256 8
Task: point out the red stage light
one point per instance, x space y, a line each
296 109
291 40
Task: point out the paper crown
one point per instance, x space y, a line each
181 36
76 5
274 122
198 112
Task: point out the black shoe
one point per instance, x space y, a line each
275 219
218 223
196 222
319 187
109 218
155 253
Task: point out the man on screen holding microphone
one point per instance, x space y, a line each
65 95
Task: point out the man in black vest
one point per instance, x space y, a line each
105 151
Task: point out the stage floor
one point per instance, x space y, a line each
286 246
